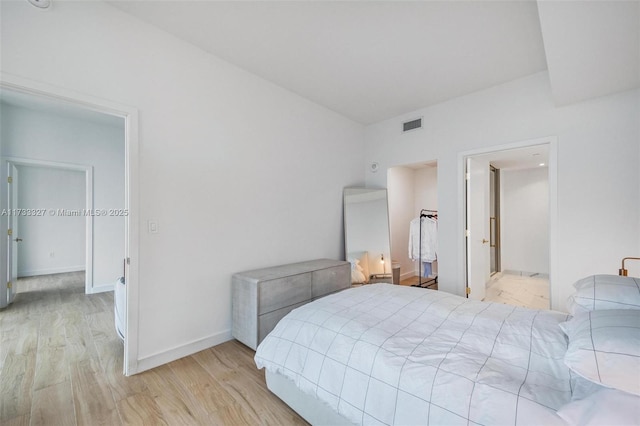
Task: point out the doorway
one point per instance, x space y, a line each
64 100
510 222
411 188
49 232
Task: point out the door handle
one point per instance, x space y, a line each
17 240
484 241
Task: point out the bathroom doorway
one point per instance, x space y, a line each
516 234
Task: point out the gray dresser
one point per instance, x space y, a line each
260 298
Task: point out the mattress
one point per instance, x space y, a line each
386 354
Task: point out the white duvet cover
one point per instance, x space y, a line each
389 354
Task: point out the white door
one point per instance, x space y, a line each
478 254
13 235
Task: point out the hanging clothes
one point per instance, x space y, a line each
426 269
429 239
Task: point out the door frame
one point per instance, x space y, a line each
88 205
495 187
552 142
132 191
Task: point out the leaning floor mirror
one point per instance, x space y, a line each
366 226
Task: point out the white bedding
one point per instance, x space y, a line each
387 354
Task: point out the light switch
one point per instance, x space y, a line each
153 226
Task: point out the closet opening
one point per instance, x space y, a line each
413 192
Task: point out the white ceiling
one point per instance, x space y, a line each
592 47
519 158
373 60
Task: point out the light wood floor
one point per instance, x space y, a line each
417 280
61 364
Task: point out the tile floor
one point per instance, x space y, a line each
520 290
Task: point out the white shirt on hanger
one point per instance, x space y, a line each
429 239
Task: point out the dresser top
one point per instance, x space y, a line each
291 269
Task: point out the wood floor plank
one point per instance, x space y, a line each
11 319
232 364
110 353
206 390
6 345
27 340
80 344
51 367
270 409
100 325
17 421
93 401
140 409
233 414
218 386
16 385
173 398
53 405
51 329
46 300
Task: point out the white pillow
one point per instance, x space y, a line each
604 408
355 264
604 347
357 276
604 292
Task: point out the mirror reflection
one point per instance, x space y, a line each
366 225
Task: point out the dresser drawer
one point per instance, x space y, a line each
282 292
267 322
261 297
329 280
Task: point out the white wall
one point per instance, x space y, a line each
524 220
238 172
426 188
50 243
44 135
598 143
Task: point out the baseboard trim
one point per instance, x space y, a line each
49 271
406 275
178 352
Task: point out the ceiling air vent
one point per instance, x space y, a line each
412 125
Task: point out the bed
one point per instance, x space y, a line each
387 354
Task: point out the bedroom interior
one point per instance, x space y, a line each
208 188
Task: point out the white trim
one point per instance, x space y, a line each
132 183
554 286
88 205
181 351
103 288
50 271
552 141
